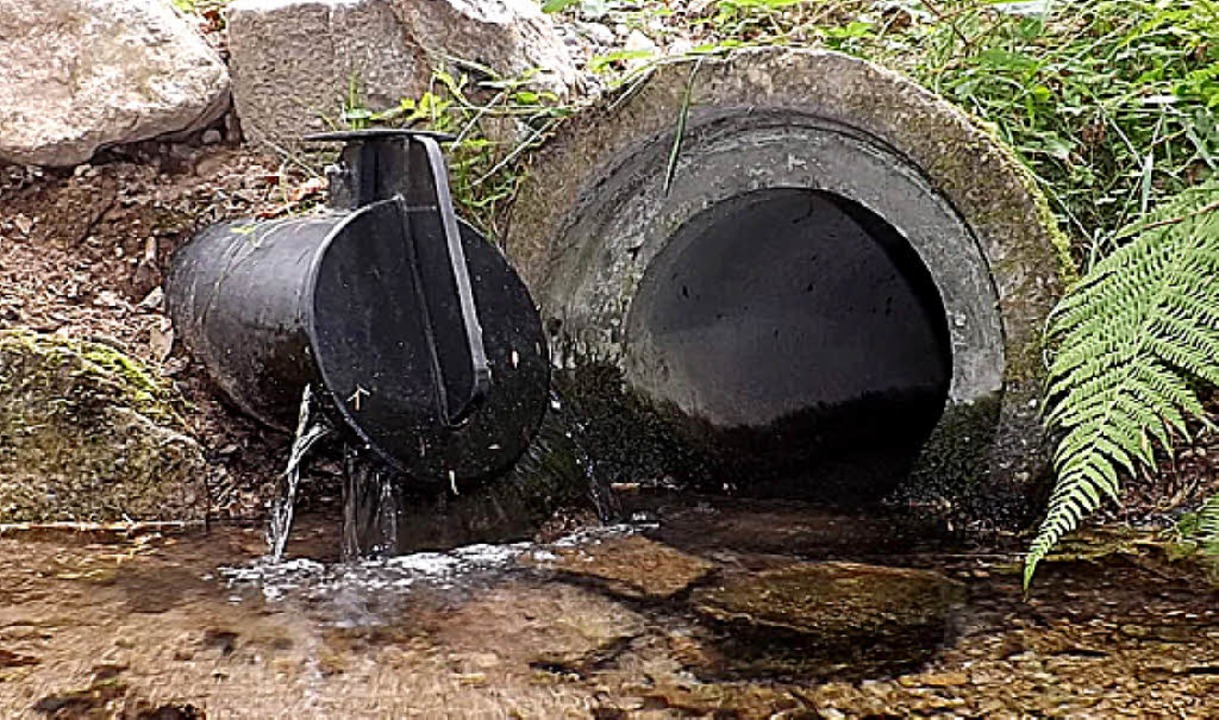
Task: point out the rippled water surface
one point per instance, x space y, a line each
611 622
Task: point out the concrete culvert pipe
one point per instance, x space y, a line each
844 279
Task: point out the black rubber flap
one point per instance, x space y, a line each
380 344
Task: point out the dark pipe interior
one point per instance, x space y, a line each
801 337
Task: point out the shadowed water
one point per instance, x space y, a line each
599 624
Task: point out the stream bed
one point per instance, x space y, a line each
704 608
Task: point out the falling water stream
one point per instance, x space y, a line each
311 427
379 519
370 494
371 500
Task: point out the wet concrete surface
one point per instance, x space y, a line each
612 622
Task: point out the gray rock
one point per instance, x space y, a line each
598 33
509 36
638 42
87 433
79 75
295 62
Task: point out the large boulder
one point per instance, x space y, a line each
510 37
84 74
87 433
296 63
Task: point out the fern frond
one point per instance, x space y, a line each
1133 338
1208 525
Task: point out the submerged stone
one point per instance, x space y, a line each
829 619
89 434
633 567
554 628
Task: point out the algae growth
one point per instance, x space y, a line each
88 433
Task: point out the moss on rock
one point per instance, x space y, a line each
88 433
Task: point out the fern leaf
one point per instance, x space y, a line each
1208 525
1134 337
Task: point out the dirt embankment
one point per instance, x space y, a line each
83 253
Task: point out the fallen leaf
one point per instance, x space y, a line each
161 339
24 224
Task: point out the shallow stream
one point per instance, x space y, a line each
650 620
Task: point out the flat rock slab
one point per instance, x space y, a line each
822 618
80 75
633 567
832 601
557 627
87 434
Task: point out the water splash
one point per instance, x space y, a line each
384 513
597 487
311 427
303 578
558 466
465 567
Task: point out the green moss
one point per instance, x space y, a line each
87 432
1068 273
112 373
954 464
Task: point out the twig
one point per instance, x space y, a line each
516 151
1211 207
941 17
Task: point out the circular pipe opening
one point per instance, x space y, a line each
799 338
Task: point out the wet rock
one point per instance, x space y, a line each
832 600
297 62
97 700
830 619
87 433
83 74
10 659
944 680
633 566
558 628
